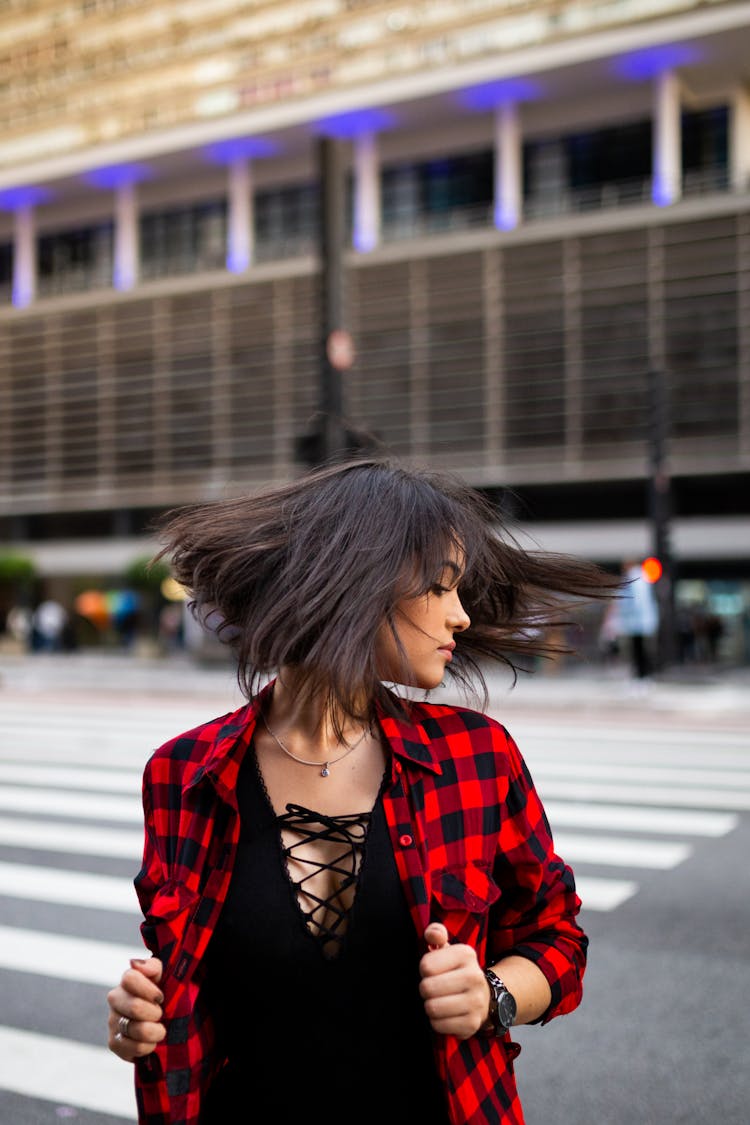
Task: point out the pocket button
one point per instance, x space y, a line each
406 841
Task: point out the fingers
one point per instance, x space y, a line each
453 988
446 1008
124 1003
141 1038
436 935
139 1000
151 967
137 996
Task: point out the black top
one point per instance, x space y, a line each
319 1026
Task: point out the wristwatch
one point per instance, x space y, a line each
502 1007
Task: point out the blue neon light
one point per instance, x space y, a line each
639 66
505 91
118 175
123 279
661 193
237 261
15 199
504 218
349 126
240 148
364 241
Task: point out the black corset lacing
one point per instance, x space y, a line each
327 918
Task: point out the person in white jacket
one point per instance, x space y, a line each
636 616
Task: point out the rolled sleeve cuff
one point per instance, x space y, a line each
562 970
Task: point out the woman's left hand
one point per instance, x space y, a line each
454 988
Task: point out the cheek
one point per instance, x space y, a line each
387 654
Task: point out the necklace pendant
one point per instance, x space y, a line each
325 771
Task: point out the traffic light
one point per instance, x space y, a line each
652 569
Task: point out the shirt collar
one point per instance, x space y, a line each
408 739
405 735
227 750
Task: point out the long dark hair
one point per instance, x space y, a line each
306 574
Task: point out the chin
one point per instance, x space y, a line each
429 683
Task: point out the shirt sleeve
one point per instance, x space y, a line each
535 916
152 874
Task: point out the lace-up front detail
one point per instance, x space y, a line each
324 857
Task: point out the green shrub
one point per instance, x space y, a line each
16 570
142 574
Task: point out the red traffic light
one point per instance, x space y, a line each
652 569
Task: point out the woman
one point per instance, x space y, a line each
342 886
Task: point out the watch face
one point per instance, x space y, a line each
506 1009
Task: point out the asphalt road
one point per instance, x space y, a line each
649 800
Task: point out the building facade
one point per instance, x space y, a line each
547 201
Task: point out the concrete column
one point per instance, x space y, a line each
666 184
508 169
127 248
241 223
24 257
739 140
366 193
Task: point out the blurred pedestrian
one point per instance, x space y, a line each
609 634
351 896
636 617
49 623
19 624
685 623
171 633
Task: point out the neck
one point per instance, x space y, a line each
307 722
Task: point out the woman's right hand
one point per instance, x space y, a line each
138 1000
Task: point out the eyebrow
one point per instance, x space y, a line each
450 565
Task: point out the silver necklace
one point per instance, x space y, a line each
325 771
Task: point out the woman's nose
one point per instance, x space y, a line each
458 617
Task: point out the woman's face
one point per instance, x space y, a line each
425 626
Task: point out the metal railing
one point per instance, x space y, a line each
411 224
597 197
705 181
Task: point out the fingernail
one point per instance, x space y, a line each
135 961
160 998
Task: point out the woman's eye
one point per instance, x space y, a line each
438 589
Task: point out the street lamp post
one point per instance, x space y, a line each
660 505
327 438
332 235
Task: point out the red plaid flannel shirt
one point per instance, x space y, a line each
473 849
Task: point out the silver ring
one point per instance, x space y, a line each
122 1027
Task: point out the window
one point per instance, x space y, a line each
184 239
286 221
442 194
586 171
6 270
705 150
74 260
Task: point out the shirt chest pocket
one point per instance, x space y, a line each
461 900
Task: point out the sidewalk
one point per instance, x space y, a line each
689 697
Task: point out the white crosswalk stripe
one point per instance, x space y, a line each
105 781
66 958
60 803
64 1071
57 836
71 840
70 888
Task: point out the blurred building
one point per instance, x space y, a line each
548 200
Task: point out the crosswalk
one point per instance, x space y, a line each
613 804
624 811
